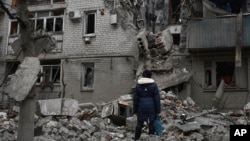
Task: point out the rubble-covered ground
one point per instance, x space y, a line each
182 121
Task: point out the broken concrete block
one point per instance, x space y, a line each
83 106
210 121
16 109
126 97
42 138
190 101
59 106
196 136
23 80
43 121
167 40
107 110
3 115
131 123
247 108
190 126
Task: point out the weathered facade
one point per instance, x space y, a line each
102 47
88 38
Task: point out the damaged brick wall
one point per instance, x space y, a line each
112 78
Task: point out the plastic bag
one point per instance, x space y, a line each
158 126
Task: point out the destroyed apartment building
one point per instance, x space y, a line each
196 49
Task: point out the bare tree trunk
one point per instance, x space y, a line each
25 130
27 106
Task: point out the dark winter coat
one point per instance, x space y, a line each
146 99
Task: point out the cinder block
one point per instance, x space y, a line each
131 123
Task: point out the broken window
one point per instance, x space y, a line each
51 21
90 21
87 75
14 28
234 77
50 72
225 71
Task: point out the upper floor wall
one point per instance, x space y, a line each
218 32
91 30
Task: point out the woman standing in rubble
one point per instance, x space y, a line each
146 102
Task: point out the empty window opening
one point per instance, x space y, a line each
88 75
59 24
176 38
174 11
13 28
90 23
49 25
225 71
40 24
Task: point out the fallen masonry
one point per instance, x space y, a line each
114 121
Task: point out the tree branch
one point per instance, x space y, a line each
9 14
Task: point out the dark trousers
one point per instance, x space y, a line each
139 127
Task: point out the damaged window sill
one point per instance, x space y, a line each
85 89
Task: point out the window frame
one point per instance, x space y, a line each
86 14
238 84
84 66
51 73
45 18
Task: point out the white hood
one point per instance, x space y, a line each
145 80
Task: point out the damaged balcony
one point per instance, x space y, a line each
222 31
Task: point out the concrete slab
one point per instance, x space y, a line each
23 80
107 110
210 121
59 106
190 126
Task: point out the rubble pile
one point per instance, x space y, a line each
182 121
